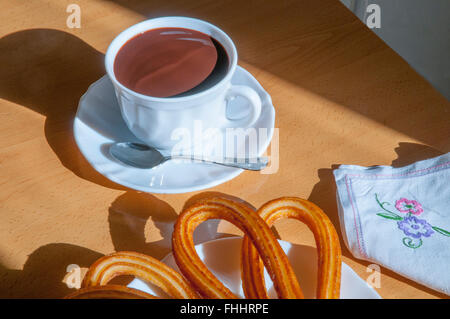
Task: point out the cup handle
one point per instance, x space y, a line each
254 100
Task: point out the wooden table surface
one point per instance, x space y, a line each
341 96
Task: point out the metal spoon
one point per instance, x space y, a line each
143 156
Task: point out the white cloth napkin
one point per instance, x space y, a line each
399 217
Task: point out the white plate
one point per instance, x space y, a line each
98 123
222 257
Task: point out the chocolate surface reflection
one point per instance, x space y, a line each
166 62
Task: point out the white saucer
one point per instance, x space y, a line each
222 257
98 123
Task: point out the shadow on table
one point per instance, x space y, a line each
409 153
134 215
130 215
324 195
48 71
44 271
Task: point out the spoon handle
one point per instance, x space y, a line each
251 164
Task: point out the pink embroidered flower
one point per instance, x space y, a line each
408 206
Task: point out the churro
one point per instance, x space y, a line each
141 266
259 233
327 241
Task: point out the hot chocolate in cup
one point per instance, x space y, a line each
157 121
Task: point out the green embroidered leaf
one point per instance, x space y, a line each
409 242
390 216
381 204
441 231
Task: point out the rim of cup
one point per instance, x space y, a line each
174 22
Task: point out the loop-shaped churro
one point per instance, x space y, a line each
327 242
141 266
109 292
273 256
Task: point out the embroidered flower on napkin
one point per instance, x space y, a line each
413 227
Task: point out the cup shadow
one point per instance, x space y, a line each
131 214
134 214
47 71
324 195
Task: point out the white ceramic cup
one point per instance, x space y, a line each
153 119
